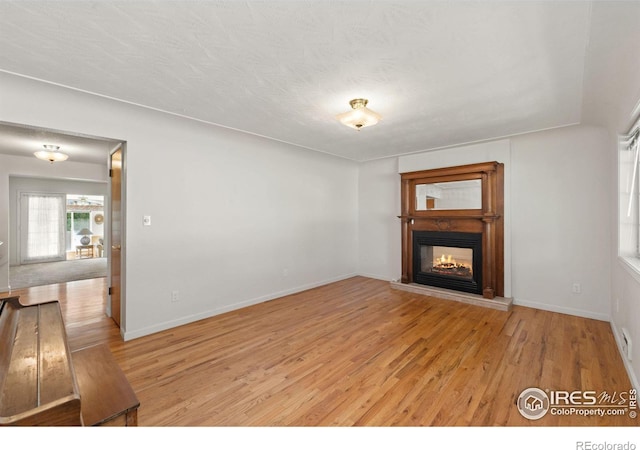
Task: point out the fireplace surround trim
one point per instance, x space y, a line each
487 220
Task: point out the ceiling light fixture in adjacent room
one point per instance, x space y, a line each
360 116
51 154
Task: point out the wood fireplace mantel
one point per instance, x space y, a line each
488 219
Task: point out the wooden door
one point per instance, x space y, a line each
116 233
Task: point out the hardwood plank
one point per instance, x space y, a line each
22 375
355 352
54 355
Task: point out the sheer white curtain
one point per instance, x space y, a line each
42 227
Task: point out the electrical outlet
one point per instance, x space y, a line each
175 297
576 288
285 272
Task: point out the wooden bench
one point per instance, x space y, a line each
43 383
105 393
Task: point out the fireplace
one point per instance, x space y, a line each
448 260
453 228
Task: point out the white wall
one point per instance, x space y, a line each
379 243
98 229
236 219
561 229
49 185
611 98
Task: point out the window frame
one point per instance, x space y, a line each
628 245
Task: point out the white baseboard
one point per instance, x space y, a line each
129 335
537 305
563 310
627 364
375 277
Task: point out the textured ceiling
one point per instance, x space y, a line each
22 140
439 73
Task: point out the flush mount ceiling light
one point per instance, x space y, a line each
51 154
360 116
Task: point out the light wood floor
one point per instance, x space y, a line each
355 352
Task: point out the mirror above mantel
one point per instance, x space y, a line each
465 194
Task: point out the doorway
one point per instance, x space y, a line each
89 161
85 227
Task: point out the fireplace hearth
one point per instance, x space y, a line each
448 260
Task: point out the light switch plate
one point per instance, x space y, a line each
146 221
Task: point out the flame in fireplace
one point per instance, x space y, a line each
446 264
447 260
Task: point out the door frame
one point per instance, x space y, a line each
123 222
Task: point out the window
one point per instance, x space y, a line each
76 221
629 196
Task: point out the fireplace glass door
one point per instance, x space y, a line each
448 260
